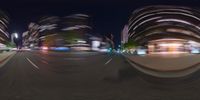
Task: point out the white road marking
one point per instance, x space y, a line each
32 63
108 61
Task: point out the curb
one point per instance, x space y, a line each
5 60
164 74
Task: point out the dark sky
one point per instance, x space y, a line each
108 16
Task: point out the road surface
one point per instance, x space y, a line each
34 75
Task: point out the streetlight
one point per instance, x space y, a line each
13 37
16 35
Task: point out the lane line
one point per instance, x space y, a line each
43 61
108 61
32 63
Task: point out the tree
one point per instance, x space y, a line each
10 44
130 44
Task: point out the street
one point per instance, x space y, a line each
33 75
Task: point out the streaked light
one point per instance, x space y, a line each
81 48
2 45
76 27
2 39
145 21
60 48
44 48
96 44
170 44
81 41
141 52
103 50
177 20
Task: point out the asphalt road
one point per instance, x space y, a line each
34 75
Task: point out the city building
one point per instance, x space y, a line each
4 36
30 37
73 31
166 29
124 35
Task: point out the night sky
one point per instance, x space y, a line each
108 16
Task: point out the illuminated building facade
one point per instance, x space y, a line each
166 29
73 32
30 37
124 35
55 31
4 36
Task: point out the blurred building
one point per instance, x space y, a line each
30 37
78 30
53 31
4 36
48 30
124 35
73 32
166 29
25 38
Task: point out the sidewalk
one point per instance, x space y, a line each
166 65
5 57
